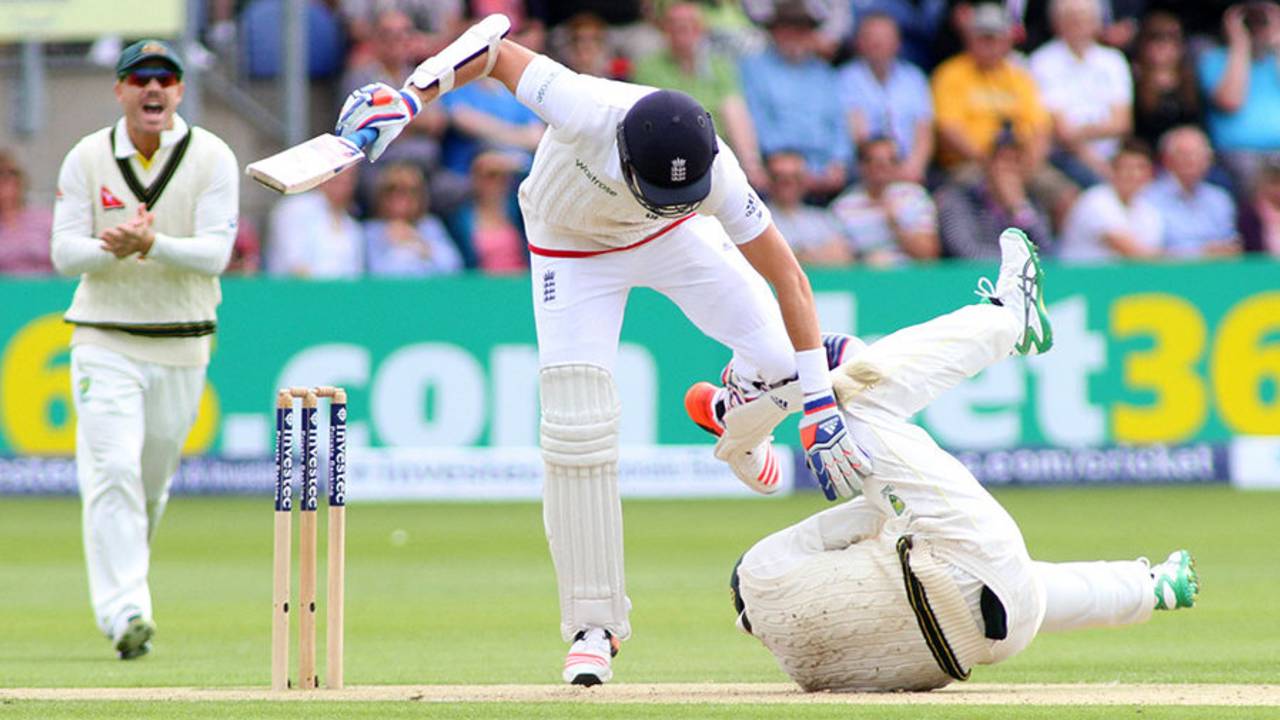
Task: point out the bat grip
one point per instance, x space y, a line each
364 138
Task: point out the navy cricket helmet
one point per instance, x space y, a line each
667 144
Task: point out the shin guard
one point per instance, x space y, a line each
581 508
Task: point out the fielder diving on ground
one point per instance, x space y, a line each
924 576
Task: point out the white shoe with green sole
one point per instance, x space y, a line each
1020 289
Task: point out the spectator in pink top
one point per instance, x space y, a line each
24 231
488 227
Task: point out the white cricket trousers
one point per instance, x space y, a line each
920 489
578 308
578 303
132 418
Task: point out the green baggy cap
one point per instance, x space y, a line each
144 50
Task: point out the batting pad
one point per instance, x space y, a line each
581 509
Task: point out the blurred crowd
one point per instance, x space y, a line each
879 132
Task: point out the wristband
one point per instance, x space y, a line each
811 366
411 99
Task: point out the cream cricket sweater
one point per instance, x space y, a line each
161 308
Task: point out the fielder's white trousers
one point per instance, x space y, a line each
132 418
920 489
578 309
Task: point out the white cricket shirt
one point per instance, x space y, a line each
575 199
176 285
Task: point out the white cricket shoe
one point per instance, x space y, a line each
1019 288
757 468
590 658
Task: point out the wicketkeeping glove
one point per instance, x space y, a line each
378 106
832 455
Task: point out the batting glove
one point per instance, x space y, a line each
832 455
378 106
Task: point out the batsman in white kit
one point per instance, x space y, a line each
630 187
925 575
146 215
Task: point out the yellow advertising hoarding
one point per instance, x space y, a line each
87 19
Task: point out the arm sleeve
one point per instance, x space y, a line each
738 208
73 249
217 213
559 96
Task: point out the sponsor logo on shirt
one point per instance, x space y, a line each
109 200
895 502
753 206
542 89
594 180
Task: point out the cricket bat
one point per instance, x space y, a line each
305 166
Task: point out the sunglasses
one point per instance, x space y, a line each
140 78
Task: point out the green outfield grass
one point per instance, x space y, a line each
464 593
556 711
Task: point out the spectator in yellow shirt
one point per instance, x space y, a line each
978 93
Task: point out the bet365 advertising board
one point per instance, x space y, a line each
1167 354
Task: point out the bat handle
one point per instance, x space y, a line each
364 138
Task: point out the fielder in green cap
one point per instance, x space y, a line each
140 52
145 218
149 88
